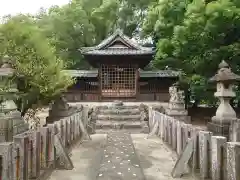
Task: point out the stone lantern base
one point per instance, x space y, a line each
219 129
179 114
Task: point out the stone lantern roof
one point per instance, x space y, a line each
224 74
6 68
7 71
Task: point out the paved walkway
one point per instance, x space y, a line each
120 161
120 156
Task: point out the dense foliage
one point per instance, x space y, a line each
194 36
34 60
85 23
190 35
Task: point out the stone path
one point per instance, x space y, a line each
86 159
120 161
149 157
156 158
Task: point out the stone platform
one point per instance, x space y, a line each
119 117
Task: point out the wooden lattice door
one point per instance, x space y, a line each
118 81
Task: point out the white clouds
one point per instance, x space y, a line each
26 6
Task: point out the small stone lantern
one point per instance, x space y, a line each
11 122
59 109
225 114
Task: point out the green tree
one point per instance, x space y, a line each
85 23
34 59
194 36
68 29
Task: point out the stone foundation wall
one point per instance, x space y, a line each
204 114
91 97
212 156
32 153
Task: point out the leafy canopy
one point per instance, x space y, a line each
34 59
194 36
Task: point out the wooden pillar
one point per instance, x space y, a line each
137 88
100 83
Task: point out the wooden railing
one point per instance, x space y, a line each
210 157
34 152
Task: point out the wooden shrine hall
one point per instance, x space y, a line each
119 63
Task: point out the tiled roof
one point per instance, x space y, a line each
159 73
143 74
106 46
82 73
118 51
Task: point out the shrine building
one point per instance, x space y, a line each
119 75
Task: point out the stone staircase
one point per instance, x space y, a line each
119 117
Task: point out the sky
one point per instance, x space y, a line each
26 6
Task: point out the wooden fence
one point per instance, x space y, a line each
211 157
34 152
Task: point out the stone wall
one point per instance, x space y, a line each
212 156
91 97
204 114
33 153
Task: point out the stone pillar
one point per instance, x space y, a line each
233 160
176 105
11 122
218 169
225 114
204 153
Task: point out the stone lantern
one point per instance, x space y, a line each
59 109
225 114
11 122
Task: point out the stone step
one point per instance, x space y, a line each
118 107
135 111
129 130
128 124
119 117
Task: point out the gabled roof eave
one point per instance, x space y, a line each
111 39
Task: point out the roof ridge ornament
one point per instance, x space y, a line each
6 62
223 64
119 31
224 73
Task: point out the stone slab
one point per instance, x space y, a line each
182 162
106 124
61 152
128 111
119 117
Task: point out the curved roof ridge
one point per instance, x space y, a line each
112 38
